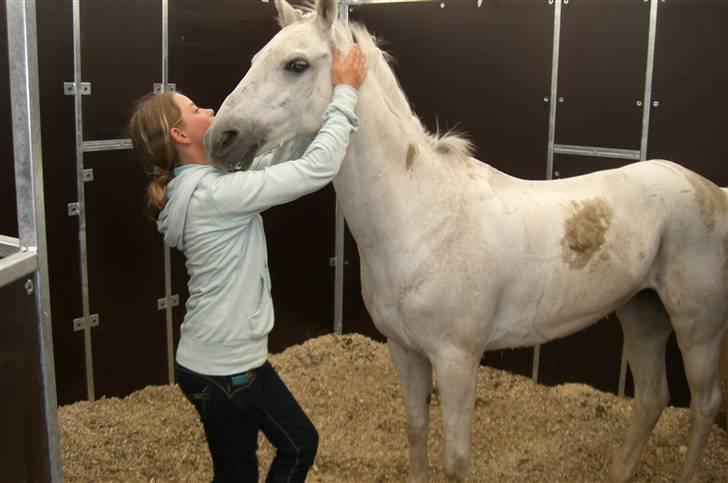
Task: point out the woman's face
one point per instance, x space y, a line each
195 121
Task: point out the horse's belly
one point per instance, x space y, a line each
559 307
527 334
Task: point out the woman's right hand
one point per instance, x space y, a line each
352 71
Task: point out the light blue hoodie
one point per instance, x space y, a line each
214 217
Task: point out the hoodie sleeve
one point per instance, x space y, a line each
245 192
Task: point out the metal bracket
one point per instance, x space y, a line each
69 88
158 88
332 262
73 209
162 303
82 323
88 175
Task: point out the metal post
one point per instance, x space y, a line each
647 101
167 251
339 230
25 104
81 201
554 89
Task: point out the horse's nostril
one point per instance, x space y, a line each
226 140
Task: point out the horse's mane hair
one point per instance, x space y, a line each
449 142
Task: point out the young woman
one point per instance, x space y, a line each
213 216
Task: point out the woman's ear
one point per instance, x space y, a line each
179 136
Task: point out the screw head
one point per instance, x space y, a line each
29 287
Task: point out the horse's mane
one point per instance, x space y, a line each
448 143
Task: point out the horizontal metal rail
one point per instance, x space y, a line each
8 245
597 152
17 266
106 145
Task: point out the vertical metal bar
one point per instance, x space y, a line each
339 230
165 44
167 251
647 101
90 389
536 362
554 89
339 272
168 312
25 105
552 136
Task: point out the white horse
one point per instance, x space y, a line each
458 258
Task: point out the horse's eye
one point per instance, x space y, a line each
297 66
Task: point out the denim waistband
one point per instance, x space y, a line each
233 379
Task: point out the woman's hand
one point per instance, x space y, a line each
352 71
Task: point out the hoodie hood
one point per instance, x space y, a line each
173 218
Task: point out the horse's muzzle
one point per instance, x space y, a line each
229 149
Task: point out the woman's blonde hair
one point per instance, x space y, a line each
153 117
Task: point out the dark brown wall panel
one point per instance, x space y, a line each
8 211
211 44
126 277
300 242
24 455
603 54
469 68
55 59
121 58
121 42
691 86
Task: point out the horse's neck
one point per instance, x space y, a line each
375 187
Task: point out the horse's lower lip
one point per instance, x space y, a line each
247 159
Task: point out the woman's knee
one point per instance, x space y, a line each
309 445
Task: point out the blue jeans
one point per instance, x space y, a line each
232 410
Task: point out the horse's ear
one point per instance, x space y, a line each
327 11
287 14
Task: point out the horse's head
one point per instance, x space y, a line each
284 93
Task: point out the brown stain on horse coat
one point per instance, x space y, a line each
412 152
712 201
585 232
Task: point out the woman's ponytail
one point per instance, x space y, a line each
149 126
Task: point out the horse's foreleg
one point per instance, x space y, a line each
702 370
646 327
415 375
457 374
